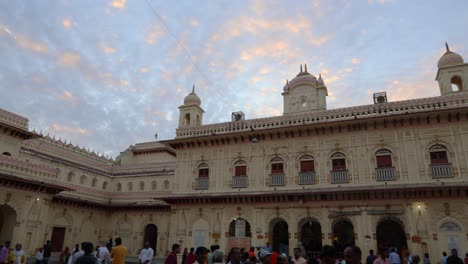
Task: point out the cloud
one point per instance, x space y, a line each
68 97
66 23
69 59
355 61
26 42
194 22
107 48
4 30
119 4
58 128
318 41
143 70
154 33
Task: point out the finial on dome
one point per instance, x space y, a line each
447 47
320 76
301 68
193 88
305 67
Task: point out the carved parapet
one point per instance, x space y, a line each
26 167
13 119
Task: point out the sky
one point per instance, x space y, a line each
108 74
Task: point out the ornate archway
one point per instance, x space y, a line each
151 235
239 227
391 234
279 233
343 234
311 236
7 222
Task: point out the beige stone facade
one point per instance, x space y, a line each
386 174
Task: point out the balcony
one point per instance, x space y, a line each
307 177
385 174
202 183
441 171
277 180
240 182
339 176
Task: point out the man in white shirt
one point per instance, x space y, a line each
394 257
103 255
146 255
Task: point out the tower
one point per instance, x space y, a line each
190 113
304 93
452 73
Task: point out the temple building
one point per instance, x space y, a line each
387 174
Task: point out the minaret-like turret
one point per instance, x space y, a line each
452 73
190 113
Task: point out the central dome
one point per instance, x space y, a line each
303 77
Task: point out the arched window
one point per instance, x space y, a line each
203 171
239 227
438 154
6 153
142 186
450 226
119 187
383 158
456 84
307 163
277 165
187 119
93 183
338 161
166 185
130 186
240 168
154 185
104 185
70 176
198 120
83 179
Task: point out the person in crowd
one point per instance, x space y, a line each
200 255
103 255
426 259
414 259
218 257
87 257
264 256
17 256
443 260
383 257
268 247
46 252
352 255
394 257
251 252
466 258
184 256
191 256
328 255
146 255
454 258
4 251
39 256
172 257
234 256
64 256
282 259
76 255
298 259
76 249
118 252
370 259
210 255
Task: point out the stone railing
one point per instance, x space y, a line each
385 174
441 171
340 176
13 119
240 182
307 177
277 180
26 167
202 183
325 116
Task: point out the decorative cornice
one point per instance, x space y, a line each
13 119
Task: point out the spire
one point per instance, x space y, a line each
320 76
193 88
305 67
447 47
301 68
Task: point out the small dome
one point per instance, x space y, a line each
449 59
302 78
192 98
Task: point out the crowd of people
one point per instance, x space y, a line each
86 253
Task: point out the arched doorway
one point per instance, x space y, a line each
151 235
343 235
311 236
390 234
280 235
239 227
7 222
200 233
